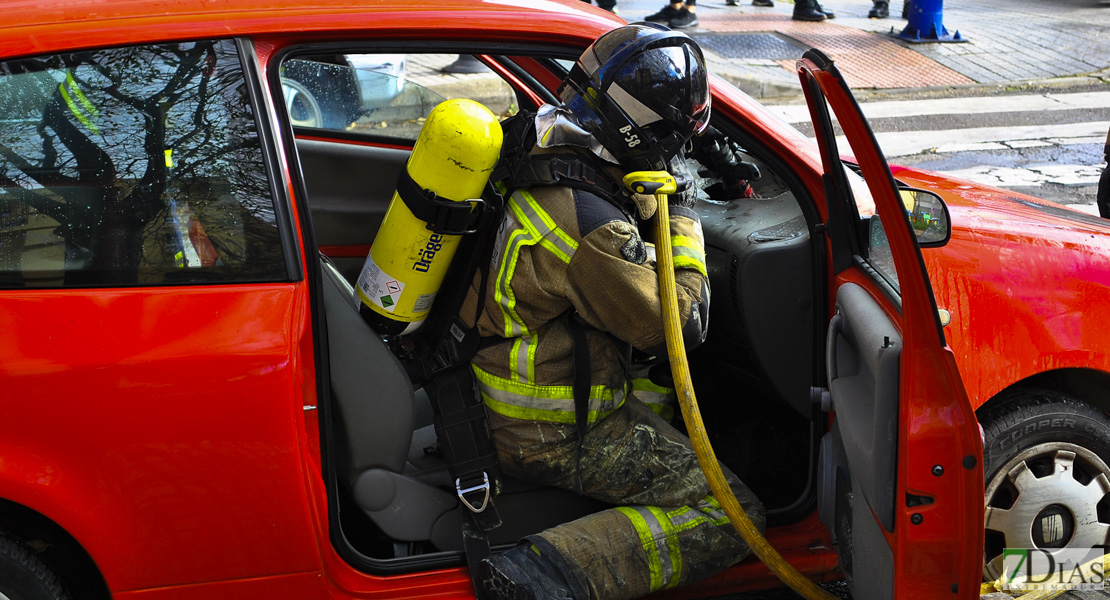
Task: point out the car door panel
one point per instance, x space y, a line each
903 428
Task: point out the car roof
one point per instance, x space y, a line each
40 26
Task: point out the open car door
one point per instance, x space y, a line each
901 466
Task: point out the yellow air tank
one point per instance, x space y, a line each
454 155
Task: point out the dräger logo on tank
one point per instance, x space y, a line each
428 253
1030 569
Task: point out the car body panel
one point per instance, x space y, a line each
49 26
1025 307
223 493
156 474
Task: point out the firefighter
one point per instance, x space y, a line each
572 297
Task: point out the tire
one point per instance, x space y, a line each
1046 458
23 576
321 94
303 108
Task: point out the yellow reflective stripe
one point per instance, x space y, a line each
523 359
707 511
548 234
712 508
532 363
563 246
655 397
533 226
646 385
658 531
89 106
73 108
550 403
688 254
660 542
518 365
673 571
647 539
503 291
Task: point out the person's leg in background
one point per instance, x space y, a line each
811 10
685 17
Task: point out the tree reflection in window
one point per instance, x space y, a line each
133 166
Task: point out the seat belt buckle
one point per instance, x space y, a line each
483 487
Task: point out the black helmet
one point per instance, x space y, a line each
642 90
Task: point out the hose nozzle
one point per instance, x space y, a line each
654 182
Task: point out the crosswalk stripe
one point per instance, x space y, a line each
799 113
950 147
904 143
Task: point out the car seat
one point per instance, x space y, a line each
384 429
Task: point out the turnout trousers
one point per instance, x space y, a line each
667 529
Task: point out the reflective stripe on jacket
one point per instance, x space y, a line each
561 252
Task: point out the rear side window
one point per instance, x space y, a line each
133 166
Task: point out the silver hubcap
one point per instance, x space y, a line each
1047 497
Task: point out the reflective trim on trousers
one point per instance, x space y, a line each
550 403
659 399
658 531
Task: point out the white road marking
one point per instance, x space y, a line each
905 143
998 140
799 113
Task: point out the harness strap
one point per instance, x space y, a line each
442 215
581 386
568 170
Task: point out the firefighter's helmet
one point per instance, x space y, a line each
642 90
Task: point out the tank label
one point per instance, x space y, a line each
428 253
377 287
423 302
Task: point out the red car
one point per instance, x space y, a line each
192 406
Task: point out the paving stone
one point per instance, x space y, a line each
1008 40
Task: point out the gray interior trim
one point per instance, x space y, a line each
347 199
863 354
372 393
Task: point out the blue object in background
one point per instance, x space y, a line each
926 23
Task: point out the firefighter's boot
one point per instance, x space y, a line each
522 573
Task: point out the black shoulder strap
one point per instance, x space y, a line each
581 387
519 168
571 170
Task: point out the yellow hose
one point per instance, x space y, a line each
695 427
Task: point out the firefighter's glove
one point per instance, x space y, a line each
688 194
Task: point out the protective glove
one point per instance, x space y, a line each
681 170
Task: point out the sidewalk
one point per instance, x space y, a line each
1009 42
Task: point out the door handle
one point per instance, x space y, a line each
836 327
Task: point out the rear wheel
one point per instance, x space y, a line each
1046 458
304 109
23 576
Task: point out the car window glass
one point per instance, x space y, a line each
133 166
879 252
873 244
386 95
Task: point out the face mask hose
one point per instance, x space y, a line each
662 183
